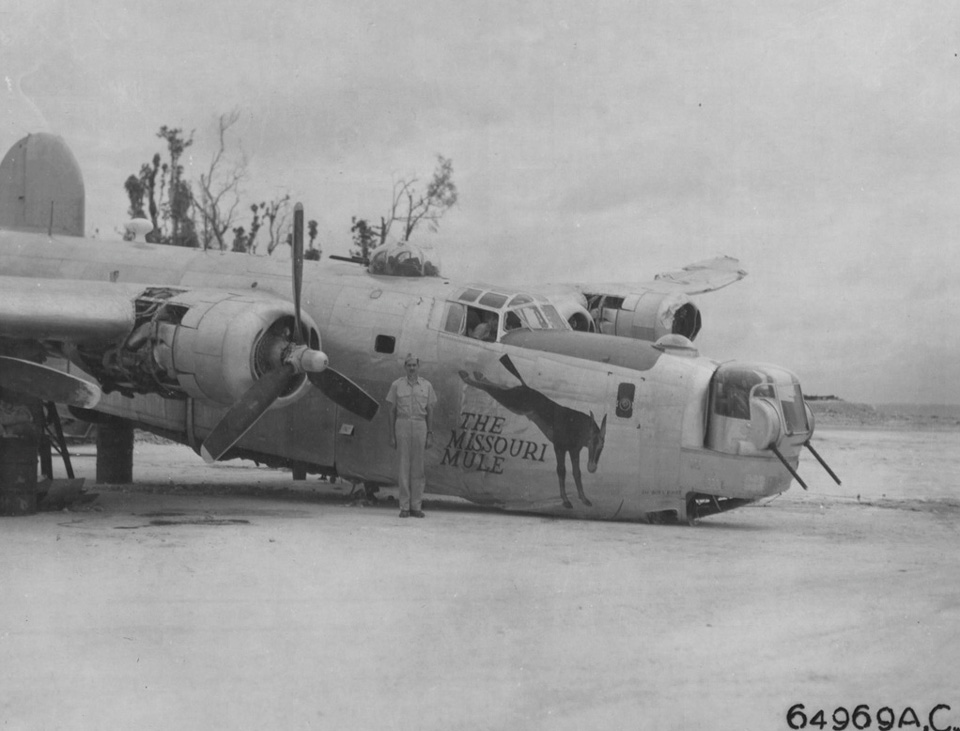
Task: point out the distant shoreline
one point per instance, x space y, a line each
837 413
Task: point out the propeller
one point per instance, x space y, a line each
297 359
244 414
344 392
47 384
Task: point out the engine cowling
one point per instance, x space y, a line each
206 344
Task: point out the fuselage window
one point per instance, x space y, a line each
385 343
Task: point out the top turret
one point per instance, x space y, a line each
403 260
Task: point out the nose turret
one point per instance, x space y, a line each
757 410
754 407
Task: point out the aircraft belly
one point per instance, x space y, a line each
150 409
303 431
279 432
728 475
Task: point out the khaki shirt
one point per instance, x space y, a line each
412 401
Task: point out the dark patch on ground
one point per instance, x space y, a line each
165 519
202 521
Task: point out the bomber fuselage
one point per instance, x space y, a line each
538 418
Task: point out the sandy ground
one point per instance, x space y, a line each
180 603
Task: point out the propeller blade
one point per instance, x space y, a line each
47 384
297 258
344 392
244 414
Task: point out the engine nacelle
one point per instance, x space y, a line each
206 344
647 316
224 343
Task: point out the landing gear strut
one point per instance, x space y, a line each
21 418
115 452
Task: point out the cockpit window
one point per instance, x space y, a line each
482 324
521 299
492 299
532 317
556 322
453 322
489 314
512 321
469 295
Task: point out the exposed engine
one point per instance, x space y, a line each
648 316
208 345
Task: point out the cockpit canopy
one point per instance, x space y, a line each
487 315
404 260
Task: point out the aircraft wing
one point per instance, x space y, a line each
697 278
51 316
240 350
43 310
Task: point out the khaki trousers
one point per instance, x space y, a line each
411 441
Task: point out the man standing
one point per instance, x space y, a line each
411 400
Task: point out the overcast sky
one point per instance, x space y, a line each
817 142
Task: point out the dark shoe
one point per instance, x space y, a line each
417 514
404 513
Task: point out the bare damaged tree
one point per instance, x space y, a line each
413 208
410 207
276 213
219 195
